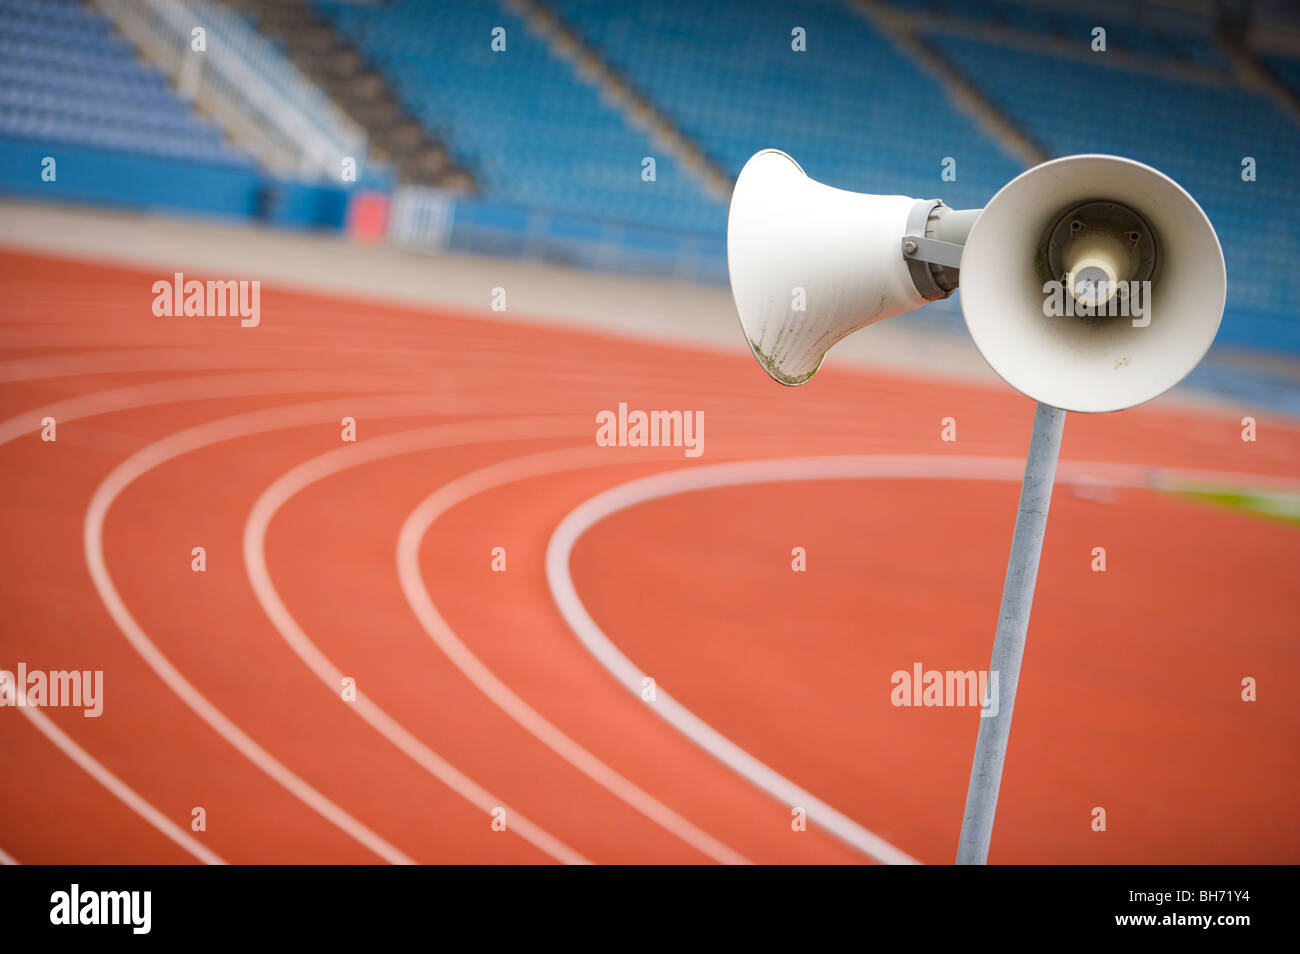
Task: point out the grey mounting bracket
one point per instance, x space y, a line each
921 249
919 252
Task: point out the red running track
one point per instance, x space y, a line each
1130 698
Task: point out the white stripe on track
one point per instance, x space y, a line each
117 399
702 477
6 858
119 788
408 570
130 397
154 393
176 445
409 442
219 386
318 468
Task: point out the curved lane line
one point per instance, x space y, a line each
408 570
702 477
216 386
135 396
119 788
486 681
176 445
317 468
130 397
126 398
204 388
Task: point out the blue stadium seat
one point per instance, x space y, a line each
852 110
533 133
66 77
1101 108
1285 69
1147 29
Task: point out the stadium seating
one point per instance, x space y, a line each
531 131
1102 108
851 109
854 110
1182 34
548 151
66 77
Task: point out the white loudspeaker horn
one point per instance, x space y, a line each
809 264
1089 283
1125 223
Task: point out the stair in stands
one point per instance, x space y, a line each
336 66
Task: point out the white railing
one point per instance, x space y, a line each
420 218
246 84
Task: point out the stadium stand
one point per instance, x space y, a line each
1102 108
557 164
818 106
818 109
66 77
1151 30
338 69
534 134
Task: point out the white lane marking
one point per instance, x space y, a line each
728 474
281 358
408 570
192 389
135 361
6 858
176 445
409 442
306 382
119 788
318 468
103 402
164 392
184 389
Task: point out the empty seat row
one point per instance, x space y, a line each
67 77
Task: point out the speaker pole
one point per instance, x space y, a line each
1013 627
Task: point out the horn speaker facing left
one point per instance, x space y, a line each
810 264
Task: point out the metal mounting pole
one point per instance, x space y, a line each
1009 644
